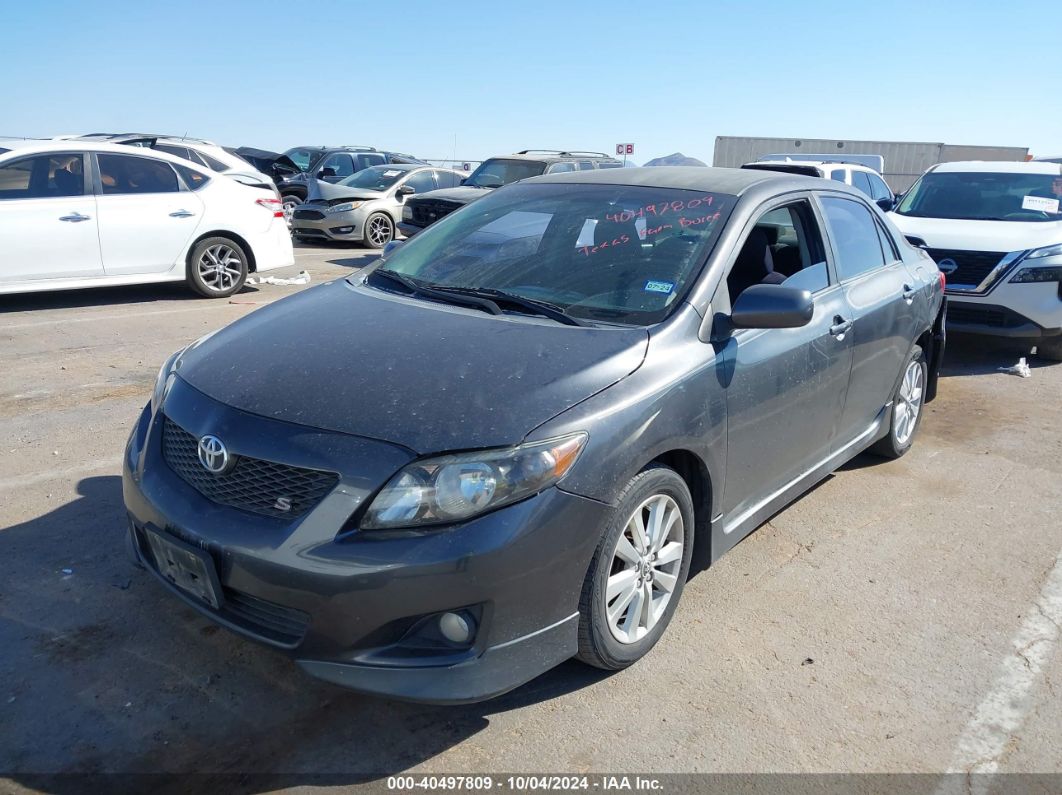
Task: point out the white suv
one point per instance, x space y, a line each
995 230
860 177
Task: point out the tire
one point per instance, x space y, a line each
379 230
291 201
909 397
1050 348
616 642
217 267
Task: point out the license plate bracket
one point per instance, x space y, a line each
189 568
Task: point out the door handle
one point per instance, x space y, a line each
75 218
181 214
909 293
840 327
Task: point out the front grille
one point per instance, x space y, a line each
283 625
973 266
976 316
308 215
253 484
429 211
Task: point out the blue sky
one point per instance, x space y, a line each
413 76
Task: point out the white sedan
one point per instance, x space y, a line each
81 214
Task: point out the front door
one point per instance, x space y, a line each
47 219
880 297
788 386
146 219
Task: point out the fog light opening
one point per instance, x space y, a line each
458 628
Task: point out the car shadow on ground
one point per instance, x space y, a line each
104 672
971 354
99 296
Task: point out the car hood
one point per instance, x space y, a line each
320 189
428 376
460 194
980 235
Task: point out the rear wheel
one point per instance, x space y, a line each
907 406
217 268
1050 348
638 571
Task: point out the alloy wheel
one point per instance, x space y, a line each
645 568
220 268
379 231
908 402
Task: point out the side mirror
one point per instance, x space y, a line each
391 246
405 190
772 306
886 204
463 180
326 172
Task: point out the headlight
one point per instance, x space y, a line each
407 213
1046 274
453 488
344 208
164 379
1046 251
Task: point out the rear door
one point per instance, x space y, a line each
879 295
47 219
146 216
788 386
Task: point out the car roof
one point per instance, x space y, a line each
817 163
552 155
734 181
76 145
999 167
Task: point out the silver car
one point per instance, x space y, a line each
366 206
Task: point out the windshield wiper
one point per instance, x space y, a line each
446 296
544 308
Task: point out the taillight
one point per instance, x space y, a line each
943 280
275 206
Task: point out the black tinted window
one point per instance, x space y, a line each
43 176
176 151
448 179
855 237
192 178
128 174
495 173
861 181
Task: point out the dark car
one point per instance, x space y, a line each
330 164
512 435
494 173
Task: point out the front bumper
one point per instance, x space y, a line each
1017 310
339 226
342 603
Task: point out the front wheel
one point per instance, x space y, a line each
379 230
638 571
907 406
217 267
291 201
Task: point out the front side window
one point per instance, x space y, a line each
497 172
341 164
610 253
364 161
878 189
448 179
129 174
43 176
855 236
985 196
422 181
784 246
861 181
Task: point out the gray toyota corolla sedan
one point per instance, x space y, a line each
505 443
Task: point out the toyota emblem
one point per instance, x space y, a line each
213 455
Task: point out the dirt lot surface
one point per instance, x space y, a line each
903 616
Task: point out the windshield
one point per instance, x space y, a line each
378 178
987 196
303 157
612 253
495 173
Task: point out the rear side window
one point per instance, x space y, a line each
558 168
837 174
43 176
120 174
855 237
364 161
586 165
192 178
448 179
211 163
878 188
176 151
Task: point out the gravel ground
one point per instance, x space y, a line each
902 617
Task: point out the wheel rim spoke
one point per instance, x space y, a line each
625 549
669 553
620 583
